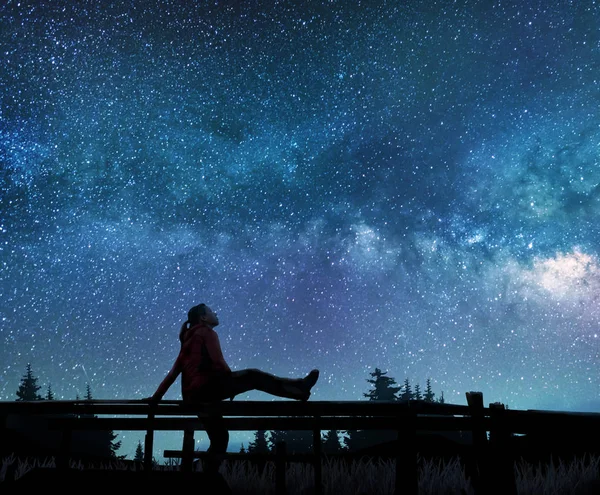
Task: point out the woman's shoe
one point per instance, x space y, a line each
299 388
311 379
308 382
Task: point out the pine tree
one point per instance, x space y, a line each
28 389
296 442
114 446
242 449
331 442
429 395
139 453
407 393
383 386
260 444
383 390
441 400
107 446
88 392
418 395
49 394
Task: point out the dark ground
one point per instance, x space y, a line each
43 480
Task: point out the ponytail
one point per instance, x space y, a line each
184 328
194 315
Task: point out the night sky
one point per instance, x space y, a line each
409 185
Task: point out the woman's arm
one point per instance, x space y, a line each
167 381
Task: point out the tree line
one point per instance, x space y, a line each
384 388
104 443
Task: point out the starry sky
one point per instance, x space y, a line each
409 185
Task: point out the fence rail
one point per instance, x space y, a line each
490 429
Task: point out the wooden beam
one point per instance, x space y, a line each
63 461
187 461
318 474
500 453
231 408
264 456
280 467
407 474
480 474
257 423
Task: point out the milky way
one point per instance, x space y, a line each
413 186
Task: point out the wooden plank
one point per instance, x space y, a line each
480 474
318 474
65 449
270 408
187 461
232 408
149 446
407 473
265 456
256 423
280 467
500 454
539 421
398 481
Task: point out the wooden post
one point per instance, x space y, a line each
399 458
148 446
479 463
318 474
280 463
407 470
65 449
501 451
187 461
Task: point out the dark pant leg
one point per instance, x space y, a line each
234 384
254 379
219 439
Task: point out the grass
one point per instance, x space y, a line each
581 477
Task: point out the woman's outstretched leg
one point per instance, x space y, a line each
239 382
255 379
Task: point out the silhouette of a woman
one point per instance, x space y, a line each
206 377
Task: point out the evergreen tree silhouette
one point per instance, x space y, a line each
441 400
49 394
331 442
407 393
28 389
260 444
383 388
106 446
296 442
114 446
88 392
139 453
418 395
429 395
242 449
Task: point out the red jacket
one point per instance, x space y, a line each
199 359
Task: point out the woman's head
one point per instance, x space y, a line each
196 313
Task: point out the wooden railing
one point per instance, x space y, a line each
490 428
